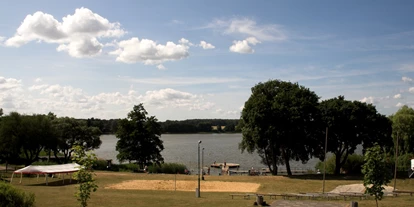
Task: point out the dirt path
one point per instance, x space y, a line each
183 185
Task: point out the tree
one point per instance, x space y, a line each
376 173
1 112
71 132
403 126
84 175
37 134
9 137
352 123
26 135
139 138
280 122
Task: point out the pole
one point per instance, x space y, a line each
324 160
175 182
396 162
202 163
198 162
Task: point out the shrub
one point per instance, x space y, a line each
168 168
44 163
100 165
353 164
12 197
130 167
330 165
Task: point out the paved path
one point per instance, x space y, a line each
287 203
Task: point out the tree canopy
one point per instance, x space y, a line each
139 138
376 173
403 126
71 132
351 123
280 122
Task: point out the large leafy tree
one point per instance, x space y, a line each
376 173
71 132
37 134
403 127
9 137
139 138
352 123
280 122
26 135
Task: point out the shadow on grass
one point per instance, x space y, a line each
55 183
327 177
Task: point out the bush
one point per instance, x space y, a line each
130 167
100 165
12 197
168 168
330 165
353 165
44 163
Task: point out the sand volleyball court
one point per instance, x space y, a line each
186 185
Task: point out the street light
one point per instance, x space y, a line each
202 164
198 156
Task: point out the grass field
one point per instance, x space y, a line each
58 194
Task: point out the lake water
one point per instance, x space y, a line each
182 148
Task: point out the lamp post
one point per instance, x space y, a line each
202 163
198 156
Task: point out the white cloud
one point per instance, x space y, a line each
183 80
161 67
7 84
369 99
38 80
184 41
397 96
77 34
244 45
11 96
149 52
70 100
399 104
411 89
406 79
206 45
250 28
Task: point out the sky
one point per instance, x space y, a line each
199 59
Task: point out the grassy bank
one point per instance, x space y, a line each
57 194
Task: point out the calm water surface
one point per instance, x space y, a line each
182 148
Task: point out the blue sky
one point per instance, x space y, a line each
199 59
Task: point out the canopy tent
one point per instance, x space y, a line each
47 169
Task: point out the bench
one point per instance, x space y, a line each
403 191
271 195
245 196
353 194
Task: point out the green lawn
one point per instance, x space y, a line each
57 194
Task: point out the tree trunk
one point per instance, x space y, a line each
272 169
287 158
274 164
376 201
337 164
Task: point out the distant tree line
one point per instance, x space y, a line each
174 127
200 125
